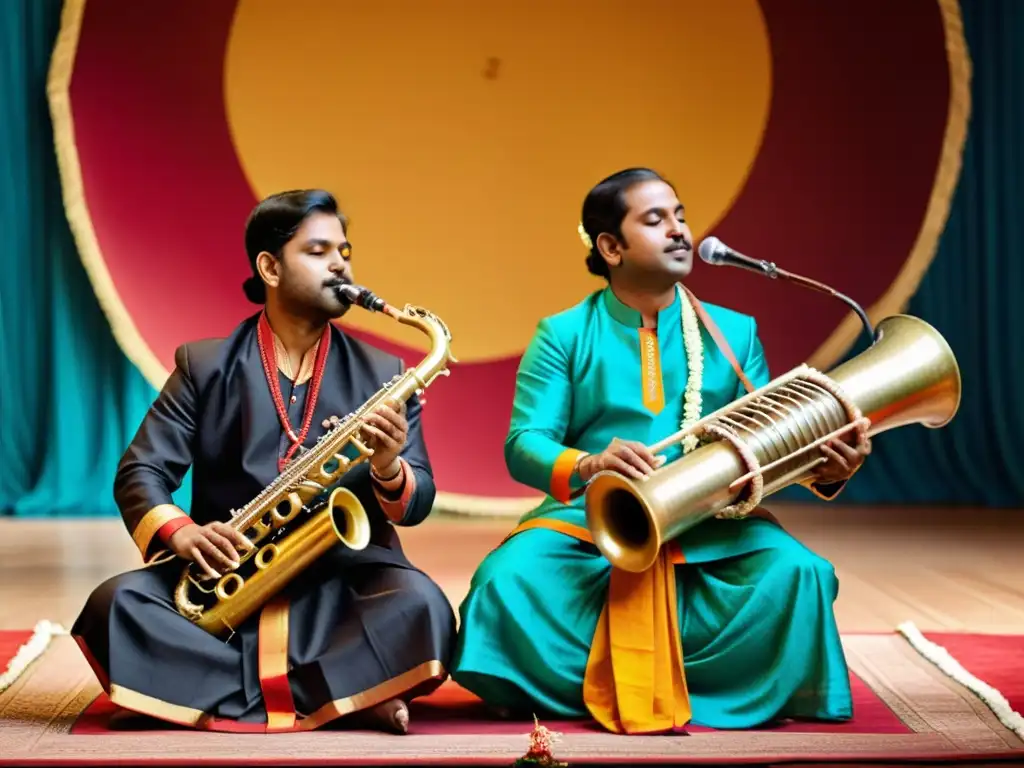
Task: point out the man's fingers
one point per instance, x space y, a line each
391 416
649 458
395 429
385 440
644 453
639 460
236 537
199 560
214 553
830 452
623 467
224 545
630 456
847 451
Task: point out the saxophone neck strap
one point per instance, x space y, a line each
718 337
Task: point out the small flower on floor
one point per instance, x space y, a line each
539 754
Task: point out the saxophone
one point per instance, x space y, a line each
294 520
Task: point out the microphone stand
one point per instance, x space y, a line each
775 273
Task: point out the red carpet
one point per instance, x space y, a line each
906 710
996 659
10 642
453 710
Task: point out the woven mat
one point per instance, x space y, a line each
943 720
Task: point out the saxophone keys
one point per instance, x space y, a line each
229 586
361 447
311 487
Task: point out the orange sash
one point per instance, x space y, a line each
634 682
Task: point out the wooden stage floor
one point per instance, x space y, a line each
944 569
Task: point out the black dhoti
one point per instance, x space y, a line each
357 628
356 634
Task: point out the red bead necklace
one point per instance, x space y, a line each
268 355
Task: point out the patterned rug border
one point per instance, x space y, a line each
948 722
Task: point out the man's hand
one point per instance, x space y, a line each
842 460
389 431
210 546
627 457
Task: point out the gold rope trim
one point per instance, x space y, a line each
76 208
465 505
899 293
77 211
139 352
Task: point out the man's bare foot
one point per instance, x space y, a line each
391 716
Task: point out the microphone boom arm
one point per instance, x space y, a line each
775 273
714 251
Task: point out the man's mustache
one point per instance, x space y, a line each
682 244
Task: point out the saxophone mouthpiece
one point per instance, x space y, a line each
363 297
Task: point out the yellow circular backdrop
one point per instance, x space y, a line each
461 137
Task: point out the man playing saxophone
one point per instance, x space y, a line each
733 626
358 632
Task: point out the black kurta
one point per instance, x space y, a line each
360 628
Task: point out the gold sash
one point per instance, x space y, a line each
634 682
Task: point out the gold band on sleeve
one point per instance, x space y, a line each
152 522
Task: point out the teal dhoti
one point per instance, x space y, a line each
755 612
752 607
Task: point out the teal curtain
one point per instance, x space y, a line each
973 294
70 401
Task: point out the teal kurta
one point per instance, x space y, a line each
758 632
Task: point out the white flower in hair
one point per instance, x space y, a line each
584 236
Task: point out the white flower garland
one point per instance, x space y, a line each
942 659
30 651
695 371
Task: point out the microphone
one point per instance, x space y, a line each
713 251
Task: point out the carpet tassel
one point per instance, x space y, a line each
942 659
36 646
